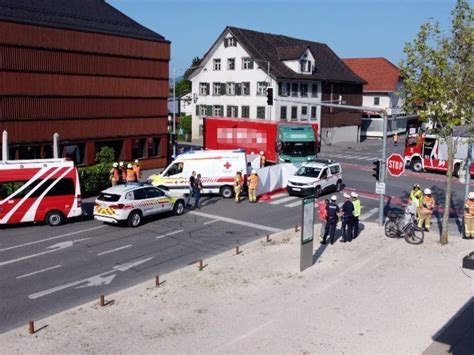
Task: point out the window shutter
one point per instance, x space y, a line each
222 111
197 110
223 89
251 64
236 111
226 42
238 89
208 88
209 110
229 113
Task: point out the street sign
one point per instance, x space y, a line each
395 165
380 188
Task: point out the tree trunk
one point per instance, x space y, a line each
449 188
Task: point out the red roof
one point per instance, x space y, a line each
380 73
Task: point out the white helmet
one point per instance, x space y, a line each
129 165
121 163
261 152
254 171
333 198
136 161
427 191
115 165
471 196
354 194
346 195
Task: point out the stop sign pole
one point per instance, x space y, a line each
384 116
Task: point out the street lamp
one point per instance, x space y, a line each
268 81
174 103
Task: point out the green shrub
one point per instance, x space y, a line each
105 155
186 124
94 179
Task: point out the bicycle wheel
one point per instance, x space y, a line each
391 230
414 236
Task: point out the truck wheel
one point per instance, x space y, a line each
417 165
178 208
54 218
317 191
226 191
134 219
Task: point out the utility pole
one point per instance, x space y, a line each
382 166
174 113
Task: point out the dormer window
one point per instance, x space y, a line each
230 42
305 66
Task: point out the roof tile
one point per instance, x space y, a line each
380 73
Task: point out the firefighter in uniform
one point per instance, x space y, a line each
417 197
263 159
253 186
469 216
115 174
356 214
238 182
426 210
333 215
137 169
123 169
131 174
395 138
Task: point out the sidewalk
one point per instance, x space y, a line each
372 295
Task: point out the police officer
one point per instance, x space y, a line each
333 213
347 217
356 214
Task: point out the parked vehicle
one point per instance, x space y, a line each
131 203
429 152
316 178
40 190
217 169
281 142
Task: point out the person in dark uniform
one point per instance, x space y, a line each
347 218
332 218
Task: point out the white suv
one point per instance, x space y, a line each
130 203
316 178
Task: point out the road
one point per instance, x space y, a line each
45 270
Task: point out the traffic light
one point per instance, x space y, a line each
270 96
376 170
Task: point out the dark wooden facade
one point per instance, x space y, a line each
93 89
334 117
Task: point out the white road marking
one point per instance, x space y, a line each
113 250
236 221
369 214
294 204
168 234
52 238
39 271
283 200
210 222
280 194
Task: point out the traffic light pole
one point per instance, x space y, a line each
382 167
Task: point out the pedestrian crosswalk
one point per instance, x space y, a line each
287 201
348 156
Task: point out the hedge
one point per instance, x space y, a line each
94 179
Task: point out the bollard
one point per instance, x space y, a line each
268 238
296 228
237 251
157 281
31 327
102 301
200 267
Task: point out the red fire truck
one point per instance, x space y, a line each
280 141
42 190
428 152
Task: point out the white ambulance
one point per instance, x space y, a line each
217 169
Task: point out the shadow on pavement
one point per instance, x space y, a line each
457 335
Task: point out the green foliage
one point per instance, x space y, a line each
186 124
94 179
183 87
105 155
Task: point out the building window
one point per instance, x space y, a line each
294 89
304 90
305 66
232 111
247 63
216 89
245 111
154 147
294 113
314 90
261 112
217 64
217 110
138 148
203 89
230 89
202 110
304 110
284 89
313 112
115 145
231 64
262 88
283 113
230 42
246 88
376 101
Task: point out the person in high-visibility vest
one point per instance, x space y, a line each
238 182
115 174
356 214
263 159
469 216
416 195
253 186
123 168
137 169
395 138
426 210
131 175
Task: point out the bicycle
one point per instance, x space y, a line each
398 227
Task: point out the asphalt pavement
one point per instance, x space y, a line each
44 270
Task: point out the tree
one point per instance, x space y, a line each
183 86
438 82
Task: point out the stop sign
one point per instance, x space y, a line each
395 165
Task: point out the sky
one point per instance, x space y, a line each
352 28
